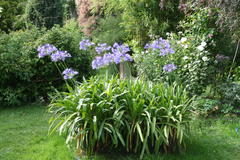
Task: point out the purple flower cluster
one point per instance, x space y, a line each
46 50
161 45
169 67
69 73
59 56
56 55
85 43
53 52
102 47
118 55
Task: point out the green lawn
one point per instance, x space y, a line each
23 136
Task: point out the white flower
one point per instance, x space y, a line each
185 46
203 44
205 59
183 39
185 57
200 48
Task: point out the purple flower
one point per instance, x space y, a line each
69 73
59 56
147 46
102 47
85 43
169 67
127 57
120 49
161 45
46 50
97 62
107 58
118 55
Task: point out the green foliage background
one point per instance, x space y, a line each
139 19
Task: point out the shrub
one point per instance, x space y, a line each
230 96
24 77
130 115
10 11
236 74
223 98
197 65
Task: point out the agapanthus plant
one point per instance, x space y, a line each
163 48
169 67
85 44
57 56
160 45
102 47
69 73
46 50
106 55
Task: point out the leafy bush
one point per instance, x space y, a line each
10 11
24 77
197 66
223 98
130 115
236 74
230 96
193 65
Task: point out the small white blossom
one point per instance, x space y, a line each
203 44
185 46
185 57
183 39
205 59
200 48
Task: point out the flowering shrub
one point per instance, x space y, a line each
185 53
129 115
155 63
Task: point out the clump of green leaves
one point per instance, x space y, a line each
230 95
128 115
223 98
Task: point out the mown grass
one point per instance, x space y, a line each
23 136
